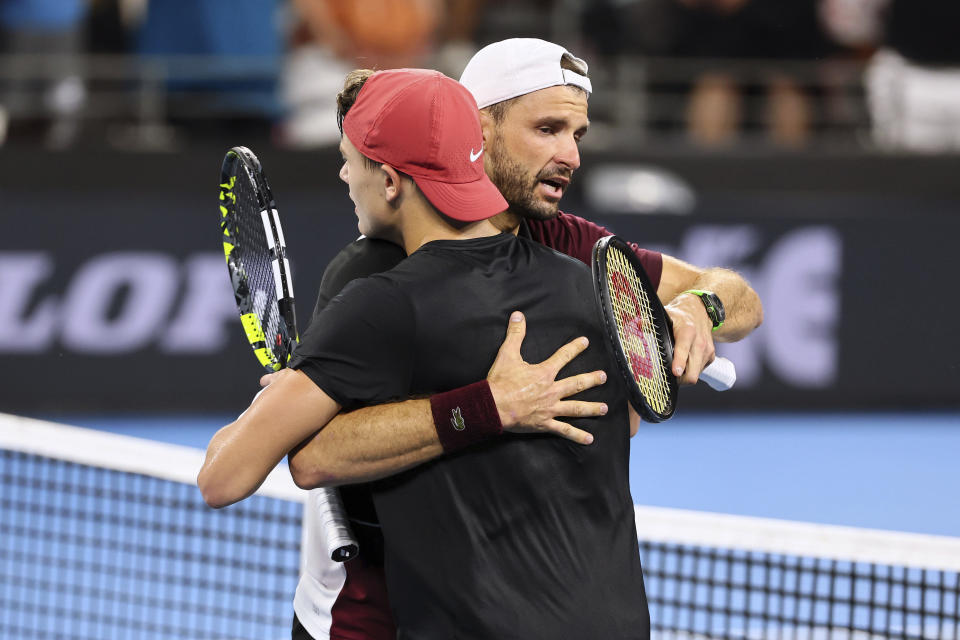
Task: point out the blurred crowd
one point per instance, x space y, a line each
780 71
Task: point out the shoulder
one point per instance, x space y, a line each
359 259
372 292
362 257
546 253
368 253
569 234
367 310
567 223
370 303
575 236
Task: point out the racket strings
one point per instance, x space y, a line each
637 332
254 260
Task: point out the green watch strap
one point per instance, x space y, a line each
707 298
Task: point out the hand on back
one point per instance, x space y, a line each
530 398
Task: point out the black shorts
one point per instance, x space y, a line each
298 632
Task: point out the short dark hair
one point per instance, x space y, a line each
348 96
498 110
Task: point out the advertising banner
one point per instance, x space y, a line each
114 295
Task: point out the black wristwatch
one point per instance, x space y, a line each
713 305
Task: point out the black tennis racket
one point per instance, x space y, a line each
640 333
255 249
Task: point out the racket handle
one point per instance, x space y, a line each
720 374
338 540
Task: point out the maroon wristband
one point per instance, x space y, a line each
465 416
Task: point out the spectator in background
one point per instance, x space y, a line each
51 28
111 23
767 30
502 19
332 37
720 101
223 57
459 35
913 81
854 26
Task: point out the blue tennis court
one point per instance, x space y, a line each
113 529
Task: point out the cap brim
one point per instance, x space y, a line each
464 201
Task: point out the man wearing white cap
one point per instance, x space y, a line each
532 97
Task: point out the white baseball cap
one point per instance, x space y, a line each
518 66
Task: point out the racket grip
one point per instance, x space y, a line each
720 374
338 540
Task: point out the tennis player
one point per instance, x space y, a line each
533 99
494 541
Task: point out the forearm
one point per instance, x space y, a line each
242 454
367 444
742 305
744 310
231 471
379 441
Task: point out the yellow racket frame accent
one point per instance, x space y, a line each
266 355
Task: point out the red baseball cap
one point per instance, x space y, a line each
426 125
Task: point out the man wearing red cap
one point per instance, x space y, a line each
528 537
532 97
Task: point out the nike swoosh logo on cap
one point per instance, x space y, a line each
473 157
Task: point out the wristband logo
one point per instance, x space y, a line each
457 420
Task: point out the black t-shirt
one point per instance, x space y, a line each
519 537
359 259
925 31
778 30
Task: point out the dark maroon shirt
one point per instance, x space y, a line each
575 237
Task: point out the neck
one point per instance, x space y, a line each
426 225
507 222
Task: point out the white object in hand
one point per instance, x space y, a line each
720 374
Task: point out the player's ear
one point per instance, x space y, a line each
487 125
392 186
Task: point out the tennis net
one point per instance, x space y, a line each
105 536
722 576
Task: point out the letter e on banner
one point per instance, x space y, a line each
802 296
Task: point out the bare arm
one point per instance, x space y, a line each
241 454
367 444
692 330
375 442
